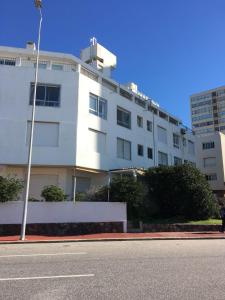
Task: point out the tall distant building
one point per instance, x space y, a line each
208 111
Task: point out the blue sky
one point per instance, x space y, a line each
170 48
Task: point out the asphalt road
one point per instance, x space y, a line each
114 270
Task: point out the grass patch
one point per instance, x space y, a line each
183 220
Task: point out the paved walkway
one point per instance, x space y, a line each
115 236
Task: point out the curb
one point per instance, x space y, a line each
110 240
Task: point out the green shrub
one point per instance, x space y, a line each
80 196
126 189
53 193
180 191
10 187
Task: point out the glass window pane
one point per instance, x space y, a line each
120 148
52 95
102 109
127 150
93 104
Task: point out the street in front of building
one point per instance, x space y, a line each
114 270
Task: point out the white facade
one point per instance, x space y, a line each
210 151
86 123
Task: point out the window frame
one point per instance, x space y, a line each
121 123
149 125
124 156
176 144
139 118
165 155
140 150
150 150
97 112
38 101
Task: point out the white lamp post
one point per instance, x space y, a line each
38 5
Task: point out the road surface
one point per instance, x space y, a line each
114 270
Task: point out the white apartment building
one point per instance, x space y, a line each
208 111
210 150
86 124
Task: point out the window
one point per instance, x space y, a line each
162 159
211 177
176 141
41 65
177 161
46 134
47 95
208 145
83 184
139 121
112 87
150 154
184 142
173 121
191 148
123 117
140 102
98 106
149 125
162 135
125 94
140 150
209 162
57 67
97 141
123 149
89 74
8 61
163 115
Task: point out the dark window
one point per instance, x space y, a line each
150 154
209 145
139 121
7 62
149 125
140 150
46 95
123 117
125 94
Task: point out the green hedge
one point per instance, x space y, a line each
10 187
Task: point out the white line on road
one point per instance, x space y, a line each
42 254
47 277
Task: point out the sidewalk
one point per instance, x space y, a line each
114 237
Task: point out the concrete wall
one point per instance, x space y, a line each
64 212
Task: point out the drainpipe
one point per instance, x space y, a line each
74 185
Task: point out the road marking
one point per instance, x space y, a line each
42 254
47 277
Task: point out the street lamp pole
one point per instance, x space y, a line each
38 5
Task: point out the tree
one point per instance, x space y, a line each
180 191
124 189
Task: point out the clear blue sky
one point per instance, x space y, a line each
170 48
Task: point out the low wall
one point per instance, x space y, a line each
68 217
179 227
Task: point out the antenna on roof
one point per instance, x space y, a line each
93 41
